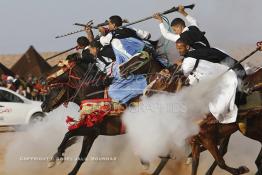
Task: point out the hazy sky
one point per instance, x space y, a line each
37 22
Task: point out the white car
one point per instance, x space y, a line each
18 110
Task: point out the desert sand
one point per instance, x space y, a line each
242 151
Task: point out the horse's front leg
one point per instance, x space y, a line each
195 154
68 140
161 165
86 146
207 140
259 163
222 150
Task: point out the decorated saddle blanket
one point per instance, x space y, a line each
94 111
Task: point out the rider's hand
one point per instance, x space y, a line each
178 62
102 30
78 48
125 21
88 28
82 117
259 45
65 105
181 9
158 17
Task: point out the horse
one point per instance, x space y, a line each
214 134
76 85
254 83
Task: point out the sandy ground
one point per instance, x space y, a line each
242 151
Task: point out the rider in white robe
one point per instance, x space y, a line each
222 106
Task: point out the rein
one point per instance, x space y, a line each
58 97
72 75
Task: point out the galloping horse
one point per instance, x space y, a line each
76 85
214 133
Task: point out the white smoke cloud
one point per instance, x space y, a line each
162 123
30 149
28 152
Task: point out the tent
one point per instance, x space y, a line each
5 70
31 63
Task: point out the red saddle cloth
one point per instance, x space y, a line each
93 112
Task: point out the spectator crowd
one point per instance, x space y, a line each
31 87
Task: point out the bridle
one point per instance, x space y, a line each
58 97
68 84
169 77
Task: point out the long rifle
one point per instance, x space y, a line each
90 23
174 9
49 58
94 27
97 26
259 48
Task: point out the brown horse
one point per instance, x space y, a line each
254 83
212 134
75 85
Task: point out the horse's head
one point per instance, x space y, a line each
158 84
166 81
62 83
73 82
253 80
55 97
60 73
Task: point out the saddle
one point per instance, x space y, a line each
94 111
135 63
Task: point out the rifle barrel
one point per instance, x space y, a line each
243 59
128 24
163 13
60 53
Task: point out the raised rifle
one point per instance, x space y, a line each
49 58
90 23
258 48
174 9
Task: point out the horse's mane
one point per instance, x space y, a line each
73 66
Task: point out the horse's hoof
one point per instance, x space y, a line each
51 164
60 161
172 157
146 165
72 173
243 170
145 173
189 161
